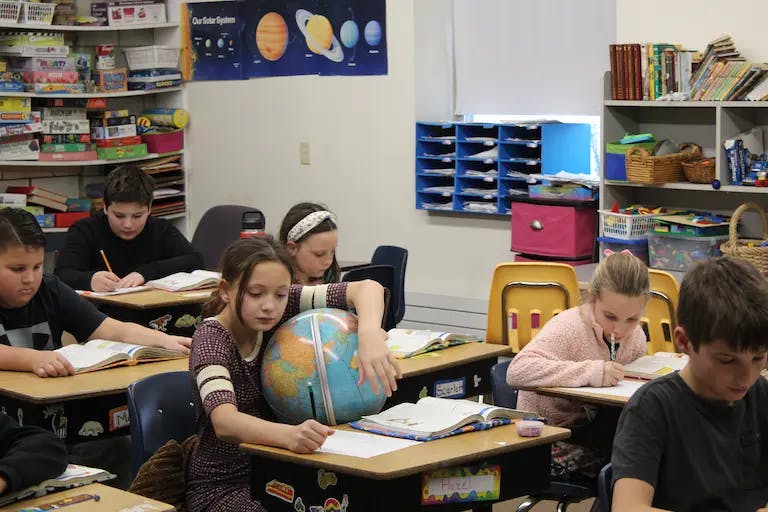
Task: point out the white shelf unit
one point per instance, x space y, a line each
121 37
706 123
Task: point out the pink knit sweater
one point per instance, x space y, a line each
567 352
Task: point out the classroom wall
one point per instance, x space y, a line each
243 147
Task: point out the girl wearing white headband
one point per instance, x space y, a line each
310 234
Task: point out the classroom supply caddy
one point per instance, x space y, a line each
642 167
699 171
749 250
625 226
37 13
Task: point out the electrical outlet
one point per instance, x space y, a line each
304 153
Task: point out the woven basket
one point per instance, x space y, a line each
756 255
699 171
642 167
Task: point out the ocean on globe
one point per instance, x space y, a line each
289 366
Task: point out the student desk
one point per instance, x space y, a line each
392 481
454 372
171 312
585 396
111 500
79 407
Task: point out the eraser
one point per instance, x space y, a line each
529 428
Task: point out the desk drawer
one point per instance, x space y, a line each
560 231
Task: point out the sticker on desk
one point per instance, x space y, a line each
281 491
461 485
326 478
160 323
298 505
452 388
58 420
331 505
119 418
91 428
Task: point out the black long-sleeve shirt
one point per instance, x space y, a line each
159 250
29 455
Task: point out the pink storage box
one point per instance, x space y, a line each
557 231
164 142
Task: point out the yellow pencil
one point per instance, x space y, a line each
106 261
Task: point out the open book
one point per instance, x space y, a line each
656 365
432 418
73 476
181 281
101 354
410 342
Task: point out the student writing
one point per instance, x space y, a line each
310 235
255 296
697 439
35 309
136 247
574 349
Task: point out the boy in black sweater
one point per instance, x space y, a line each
28 455
139 247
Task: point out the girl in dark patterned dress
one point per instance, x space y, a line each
255 297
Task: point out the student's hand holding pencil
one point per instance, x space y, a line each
131 280
45 363
307 437
104 281
613 372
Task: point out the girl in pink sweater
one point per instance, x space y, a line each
586 346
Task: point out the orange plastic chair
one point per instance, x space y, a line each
660 317
525 296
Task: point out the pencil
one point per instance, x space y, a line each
106 261
312 400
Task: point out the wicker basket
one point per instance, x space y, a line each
699 171
749 250
642 167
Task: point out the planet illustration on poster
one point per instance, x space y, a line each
208 43
372 33
220 43
272 36
318 34
349 34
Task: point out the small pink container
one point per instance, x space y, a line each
529 428
164 142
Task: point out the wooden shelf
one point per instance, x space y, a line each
84 163
736 189
76 28
91 94
684 104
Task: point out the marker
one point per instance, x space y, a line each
106 261
613 347
312 400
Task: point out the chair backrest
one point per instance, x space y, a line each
385 276
218 227
161 407
605 488
398 258
503 394
660 317
524 296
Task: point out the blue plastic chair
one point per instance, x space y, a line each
385 276
564 493
161 407
398 258
605 488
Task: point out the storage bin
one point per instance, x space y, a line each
554 231
152 57
9 11
164 142
677 252
610 245
615 167
625 226
37 13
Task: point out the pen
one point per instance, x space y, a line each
613 347
106 261
312 400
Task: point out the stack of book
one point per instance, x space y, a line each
168 175
18 126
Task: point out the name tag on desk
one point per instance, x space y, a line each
451 388
460 485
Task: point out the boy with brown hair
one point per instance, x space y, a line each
697 439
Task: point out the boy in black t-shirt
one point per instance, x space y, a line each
138 247
697 439
35 309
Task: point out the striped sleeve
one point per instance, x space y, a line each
302 298
210 361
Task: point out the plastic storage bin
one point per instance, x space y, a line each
677 252
37 13
164 142
609 245
152 57
9 11
625 226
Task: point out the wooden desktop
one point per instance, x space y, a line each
109 500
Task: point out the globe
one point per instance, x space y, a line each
372 33
272 36
289 366
349 34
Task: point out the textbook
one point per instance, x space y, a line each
102 354
410 342
181 281
433 418
73 476
656 365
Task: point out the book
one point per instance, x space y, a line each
433 418
37 191
73 476
656 365
410 342
101 354
119 291
181 281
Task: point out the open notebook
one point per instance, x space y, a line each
181 281
73 476
101 354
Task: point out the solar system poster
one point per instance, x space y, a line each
285 38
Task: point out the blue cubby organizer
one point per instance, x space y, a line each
489 165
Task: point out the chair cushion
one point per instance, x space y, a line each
163 476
